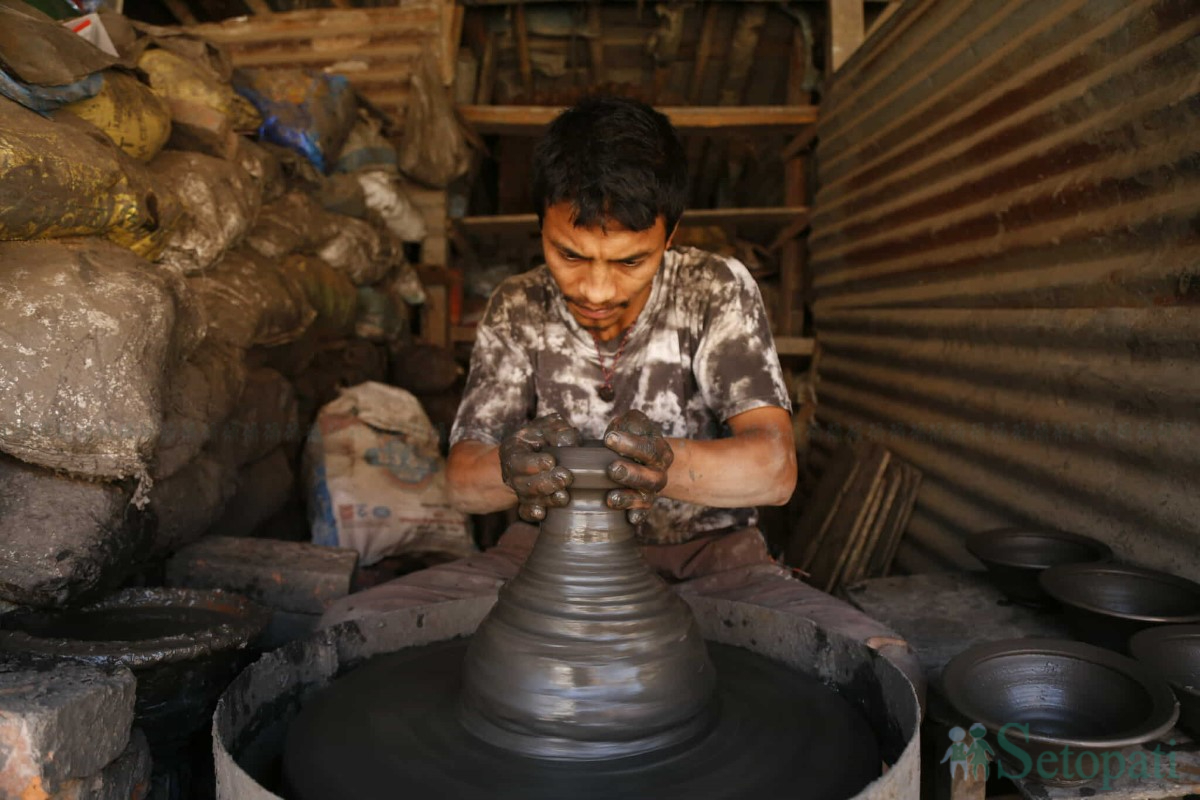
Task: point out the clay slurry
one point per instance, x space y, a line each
390 729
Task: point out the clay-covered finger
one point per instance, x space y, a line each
559 499
636 476
542 484
628 498
531 512
527 462
637 516
635 422
650 450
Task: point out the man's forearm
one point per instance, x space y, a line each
751 469
473 479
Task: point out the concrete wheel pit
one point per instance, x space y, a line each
366 709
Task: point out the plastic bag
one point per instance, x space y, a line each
308 112
385 195
376 481
201 103
128 112
90 331
249 301
221 202
68 179
433 149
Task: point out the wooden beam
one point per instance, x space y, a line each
799 143
703 53
847 27
595 43
526 64
884 16
181 12
527 223
530 120
794 346
259 7
793 229
795 187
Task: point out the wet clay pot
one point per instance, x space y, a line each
587 654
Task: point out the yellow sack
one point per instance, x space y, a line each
129 113
202 105
66 178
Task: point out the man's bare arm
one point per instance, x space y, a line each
473 478
754 467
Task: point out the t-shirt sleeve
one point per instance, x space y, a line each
736 366
500 395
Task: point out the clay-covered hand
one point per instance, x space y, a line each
532 472
642 468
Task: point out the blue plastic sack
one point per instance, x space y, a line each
308 112
44 99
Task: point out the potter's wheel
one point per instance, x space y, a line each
390 729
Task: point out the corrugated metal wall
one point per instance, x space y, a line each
1005 259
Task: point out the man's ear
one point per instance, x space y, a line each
671 236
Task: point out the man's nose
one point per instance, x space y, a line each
598 288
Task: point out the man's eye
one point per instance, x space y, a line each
629 264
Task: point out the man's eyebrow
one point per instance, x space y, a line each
567 251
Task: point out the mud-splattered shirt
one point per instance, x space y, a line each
699 353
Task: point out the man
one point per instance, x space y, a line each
664 355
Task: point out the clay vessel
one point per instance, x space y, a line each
587 654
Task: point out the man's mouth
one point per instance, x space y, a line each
596 313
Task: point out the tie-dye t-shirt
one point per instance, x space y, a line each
699 353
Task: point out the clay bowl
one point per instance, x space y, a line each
1173 653
1069 694
1105 604
1014 558
183 645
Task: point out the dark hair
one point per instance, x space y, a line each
612 157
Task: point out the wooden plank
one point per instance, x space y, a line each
259 7
523 48
452 28
813 523
320 24
799 143
855 516
795 190
901 521
794 345
793 229
181 12
847 28
595 43
527 223
487 72
687 119
703 53
854 508
856 563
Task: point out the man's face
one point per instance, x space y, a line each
606 273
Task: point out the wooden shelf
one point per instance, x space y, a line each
530 120
527 223
794 346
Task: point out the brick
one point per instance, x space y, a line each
287 576
59 721
126 778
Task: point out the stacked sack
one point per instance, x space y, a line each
177 298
